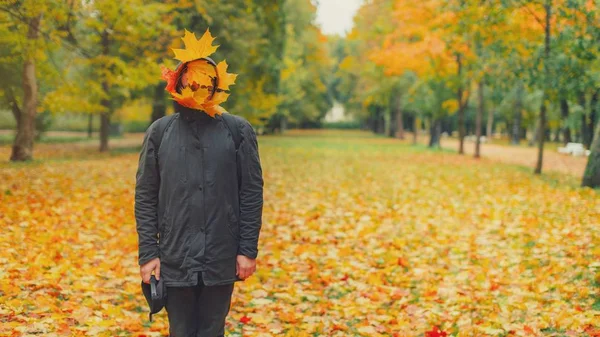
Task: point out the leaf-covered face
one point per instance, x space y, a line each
201 78
202 85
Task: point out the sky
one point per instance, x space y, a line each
335 16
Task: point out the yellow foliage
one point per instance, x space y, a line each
450 106
361 235
137 111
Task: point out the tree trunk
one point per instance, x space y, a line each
380 121
23 144
434 133
105 116
159 104
400 124
591 121
591 177
540 135
104 131
373 121
387 122
461 108
490 123
534 134
416 130
90 125
14 106
478 118
586 134
542 123
564 113
399 118
283 124
516 129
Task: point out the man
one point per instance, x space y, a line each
198 197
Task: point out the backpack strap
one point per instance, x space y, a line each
232 124
161 126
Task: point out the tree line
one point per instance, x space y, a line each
518 67
95 57
512 66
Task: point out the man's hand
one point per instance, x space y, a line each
147 269
245 266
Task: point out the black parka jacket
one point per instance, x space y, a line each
191 211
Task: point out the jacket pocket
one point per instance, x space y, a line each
233 223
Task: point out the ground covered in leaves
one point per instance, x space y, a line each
362 236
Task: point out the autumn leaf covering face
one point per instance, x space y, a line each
207 85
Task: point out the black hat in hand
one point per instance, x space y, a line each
156 295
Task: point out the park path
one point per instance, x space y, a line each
526 156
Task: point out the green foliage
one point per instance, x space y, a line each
342 125
16 47
306 67
99 56
251 38
118 53
135 126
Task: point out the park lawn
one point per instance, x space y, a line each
362 236
8 139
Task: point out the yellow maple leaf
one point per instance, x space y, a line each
212 110
202 95
225 79
201 72
219 98
195 49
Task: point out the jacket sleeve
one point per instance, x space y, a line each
146 198
250 193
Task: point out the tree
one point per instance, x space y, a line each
28 38
303 89
480 109
121 53
251 35
434 48
591 177
371 92
542 121
23 146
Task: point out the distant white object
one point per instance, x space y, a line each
337 114
472 139
444 134
574 149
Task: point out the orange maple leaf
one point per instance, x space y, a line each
186 98
170 76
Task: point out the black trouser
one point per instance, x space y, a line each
198 311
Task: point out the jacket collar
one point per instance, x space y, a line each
189 114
